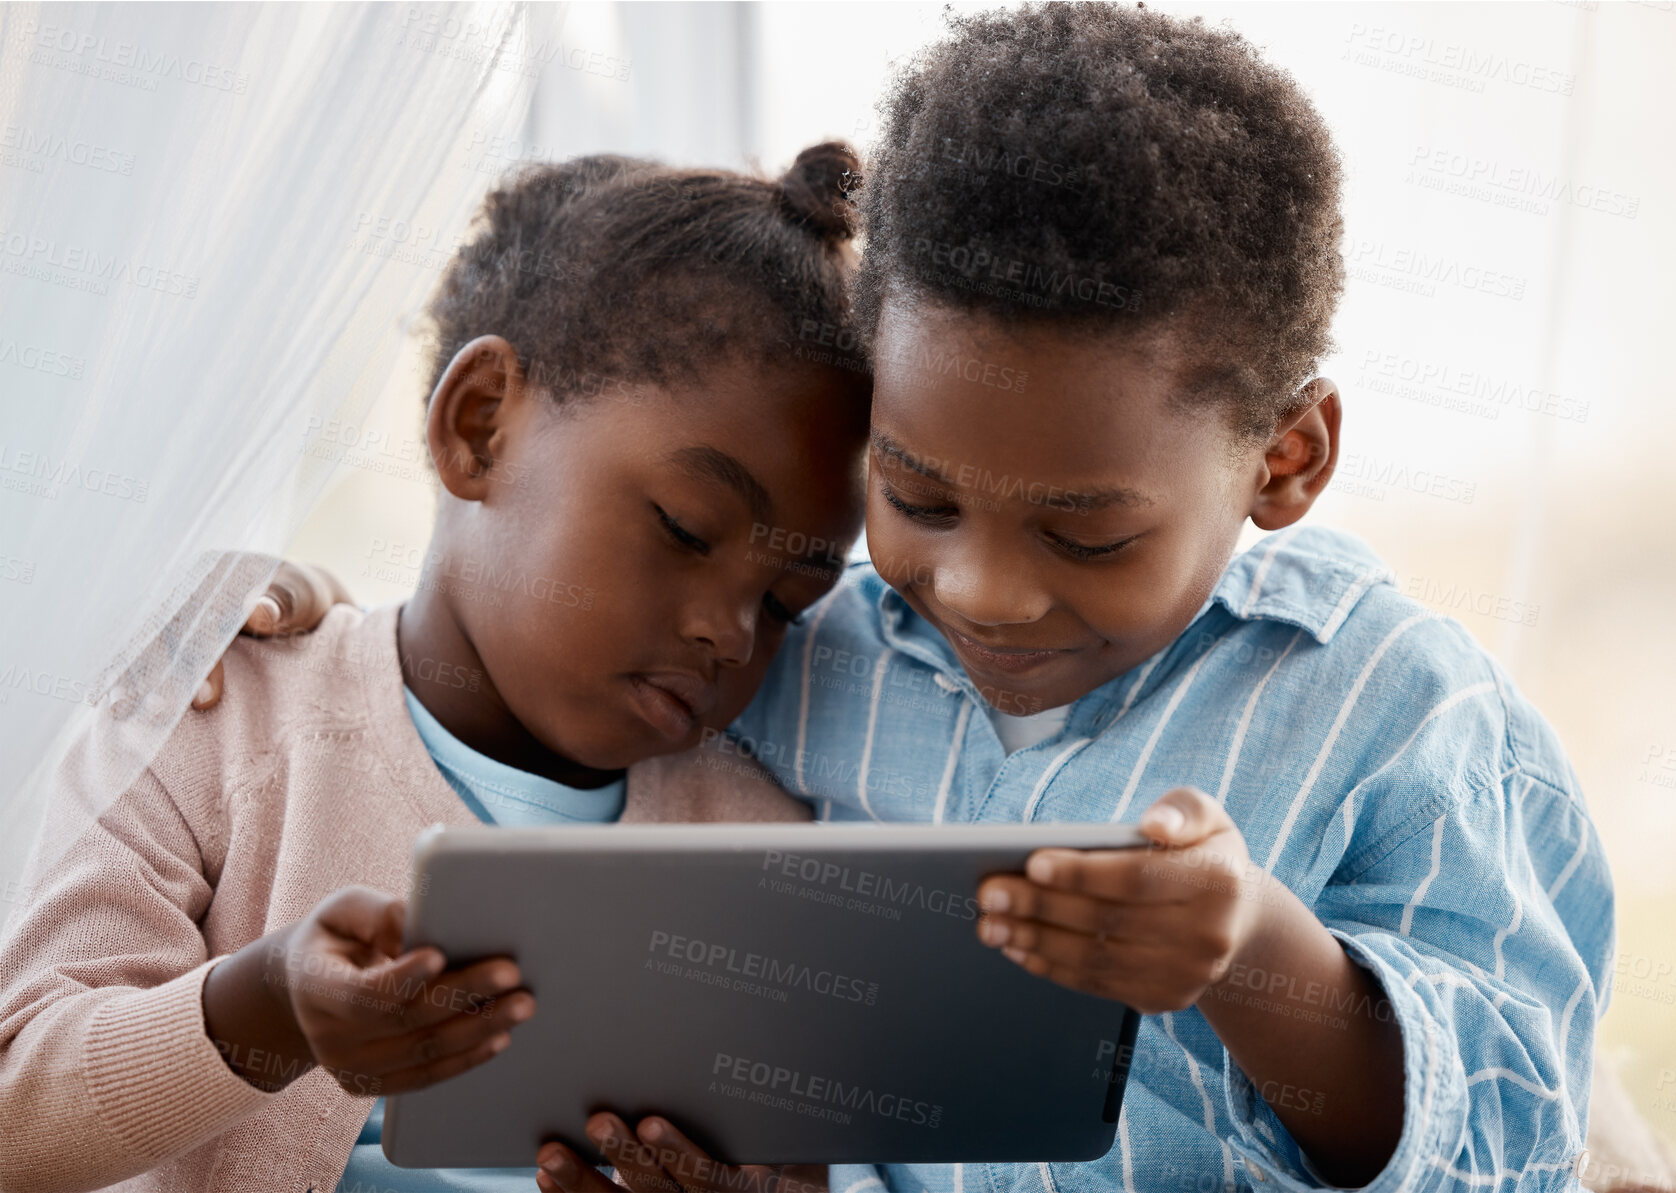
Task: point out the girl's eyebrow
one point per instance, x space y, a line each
713 465
886 446
1080 500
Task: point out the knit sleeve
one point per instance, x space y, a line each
106 1068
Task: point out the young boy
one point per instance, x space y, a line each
1100 268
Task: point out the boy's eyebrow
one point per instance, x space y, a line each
1082 500
715 465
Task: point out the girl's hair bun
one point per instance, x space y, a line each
820 190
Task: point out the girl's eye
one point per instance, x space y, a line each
922 513
680 534
778 611
1079 551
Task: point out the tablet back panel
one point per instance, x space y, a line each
804 993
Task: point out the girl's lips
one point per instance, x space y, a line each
1012 661
662 709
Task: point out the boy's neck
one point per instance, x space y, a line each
431 646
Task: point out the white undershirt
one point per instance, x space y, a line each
1019 733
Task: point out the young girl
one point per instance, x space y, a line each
207 992
1100 269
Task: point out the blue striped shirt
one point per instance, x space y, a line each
1378 761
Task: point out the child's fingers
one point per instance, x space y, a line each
1115 875
209 692
443 1067
450 1037
472 992
1184 816
1040 946
1005 900
296 601
635 1162
356 913
563 1171
691 1167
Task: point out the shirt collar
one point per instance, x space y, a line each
1308 577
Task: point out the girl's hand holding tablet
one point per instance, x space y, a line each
657 1158
1153 929
335 990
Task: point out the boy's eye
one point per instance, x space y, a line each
778 611
923 513
680 534
1082 551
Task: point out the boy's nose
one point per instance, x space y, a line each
989 596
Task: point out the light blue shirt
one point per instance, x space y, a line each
1377 760
496 794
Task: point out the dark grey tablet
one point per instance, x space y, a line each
781 992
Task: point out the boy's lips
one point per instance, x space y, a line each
672 701
1011 659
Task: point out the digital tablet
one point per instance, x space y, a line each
783 993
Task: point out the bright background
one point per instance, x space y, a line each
1548 532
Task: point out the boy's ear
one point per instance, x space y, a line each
1299 458
478 397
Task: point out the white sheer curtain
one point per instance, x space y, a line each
214 219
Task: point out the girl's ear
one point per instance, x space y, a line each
477 399
1299 458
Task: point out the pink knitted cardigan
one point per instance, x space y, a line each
307 777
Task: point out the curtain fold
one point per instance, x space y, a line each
215 223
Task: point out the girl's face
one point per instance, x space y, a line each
652 550
1039 501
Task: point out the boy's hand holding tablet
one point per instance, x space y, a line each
1153 930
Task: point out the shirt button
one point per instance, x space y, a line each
1256 1172
1582 1164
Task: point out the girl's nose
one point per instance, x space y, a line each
726 626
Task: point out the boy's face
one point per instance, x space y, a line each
1039 500
667 538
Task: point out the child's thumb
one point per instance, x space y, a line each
1184 816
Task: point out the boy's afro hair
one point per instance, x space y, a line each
1103 168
